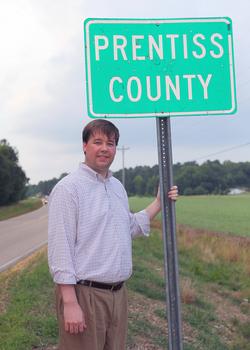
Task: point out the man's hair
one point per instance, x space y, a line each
100 126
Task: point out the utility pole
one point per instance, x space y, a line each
123 149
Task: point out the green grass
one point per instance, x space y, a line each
147 253
243 339
29 319
201 316
229 214
224 274
145 328
22 207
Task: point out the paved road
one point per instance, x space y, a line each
22 235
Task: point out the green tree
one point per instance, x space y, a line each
151 187
139 185
12 177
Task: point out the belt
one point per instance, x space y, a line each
112 287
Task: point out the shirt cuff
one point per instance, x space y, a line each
61 277
143 221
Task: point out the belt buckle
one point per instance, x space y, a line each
112 288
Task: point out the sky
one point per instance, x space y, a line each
43 105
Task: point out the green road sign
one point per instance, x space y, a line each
159 67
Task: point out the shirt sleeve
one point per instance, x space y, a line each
62 228
139 224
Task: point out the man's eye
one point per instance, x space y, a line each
111 144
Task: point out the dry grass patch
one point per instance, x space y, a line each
226 313
216 246
188 292
148 324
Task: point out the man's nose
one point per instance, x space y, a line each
104 146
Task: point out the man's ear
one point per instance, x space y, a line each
84 147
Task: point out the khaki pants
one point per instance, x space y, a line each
106 319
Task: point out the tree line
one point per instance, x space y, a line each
211 177
43 188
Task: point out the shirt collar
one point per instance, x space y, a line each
93 174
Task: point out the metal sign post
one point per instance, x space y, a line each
169 234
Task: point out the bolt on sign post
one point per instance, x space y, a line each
140 68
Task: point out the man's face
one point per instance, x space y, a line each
99 152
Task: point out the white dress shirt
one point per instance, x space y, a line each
91 229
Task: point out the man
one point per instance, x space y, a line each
89 246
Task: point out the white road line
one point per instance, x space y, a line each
20 257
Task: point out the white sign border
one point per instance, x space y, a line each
157 21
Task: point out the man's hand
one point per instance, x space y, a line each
74 320
154 208
173 193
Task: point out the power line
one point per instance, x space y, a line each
224 150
